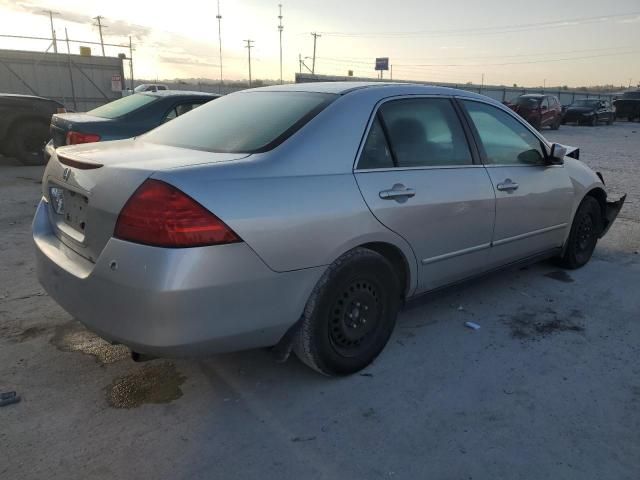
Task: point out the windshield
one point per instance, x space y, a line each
247 122
122 106
531 102
634 95
585 103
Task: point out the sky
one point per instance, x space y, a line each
500 42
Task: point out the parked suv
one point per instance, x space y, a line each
589 112
24 126
539 110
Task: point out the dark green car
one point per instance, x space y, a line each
126 117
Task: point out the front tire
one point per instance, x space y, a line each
350 314
585 231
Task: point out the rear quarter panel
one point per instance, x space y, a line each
291 222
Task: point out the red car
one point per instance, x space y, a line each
539 110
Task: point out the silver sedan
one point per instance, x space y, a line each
304 216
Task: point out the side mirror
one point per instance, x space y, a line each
558 152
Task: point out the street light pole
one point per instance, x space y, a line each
280 28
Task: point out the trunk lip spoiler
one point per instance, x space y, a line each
611 213
79 164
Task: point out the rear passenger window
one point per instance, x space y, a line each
375 153
425 132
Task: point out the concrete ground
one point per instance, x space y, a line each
549 387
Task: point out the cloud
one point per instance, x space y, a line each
113 26
186 61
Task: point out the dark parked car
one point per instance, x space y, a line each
628 106
123 118
24 126
539 110
589 112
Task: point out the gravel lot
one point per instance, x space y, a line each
549 387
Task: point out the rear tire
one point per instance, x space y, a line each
350 314
27 140
556 124
593 121
585 231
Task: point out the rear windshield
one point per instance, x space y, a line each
586 103
245 122
635 95
122 106
528 101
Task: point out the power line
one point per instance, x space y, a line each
488 30
369 61
520 63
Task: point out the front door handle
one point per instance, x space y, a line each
507 186
398 191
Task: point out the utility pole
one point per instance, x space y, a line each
249 46
219 17
53 32
313 65
280 28
300 64
391 72
544 84
99 25
73 90
131 63
482 85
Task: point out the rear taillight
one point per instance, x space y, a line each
61 110
159 214
74 138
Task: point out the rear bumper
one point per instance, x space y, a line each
173 302
611 213
571 117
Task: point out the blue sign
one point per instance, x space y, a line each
382 63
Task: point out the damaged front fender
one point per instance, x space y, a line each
611 212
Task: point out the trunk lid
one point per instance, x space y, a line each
87 186
61 123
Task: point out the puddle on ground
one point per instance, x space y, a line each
15 334
560 275
33 332
535 325
73 337
153 383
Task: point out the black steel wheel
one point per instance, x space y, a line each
350 314
585 231
356 314
593 121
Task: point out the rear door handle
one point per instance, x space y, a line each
507 186
398 191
